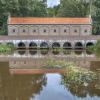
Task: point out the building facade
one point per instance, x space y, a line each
49 26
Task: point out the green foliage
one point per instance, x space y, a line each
78 75
73 8
95 48
96 17
4 48
36 8
20 8
52 12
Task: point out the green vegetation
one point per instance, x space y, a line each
4 48
20 8
73 8
72 73
95 48
78 75
37 8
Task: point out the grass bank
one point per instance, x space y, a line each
4 48
95 49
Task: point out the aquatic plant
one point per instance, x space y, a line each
78 75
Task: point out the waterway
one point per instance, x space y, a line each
24 77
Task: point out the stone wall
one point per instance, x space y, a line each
72 30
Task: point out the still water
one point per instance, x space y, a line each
20 81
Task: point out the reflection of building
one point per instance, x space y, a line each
37 59
19 87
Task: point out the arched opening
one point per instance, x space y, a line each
21 45
32 45
21 52
32 52
55 52
67 45
88 52
89 44
77 52
56 45
44 45
78 45
67 52
44 52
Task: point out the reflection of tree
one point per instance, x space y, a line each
91 88
20 87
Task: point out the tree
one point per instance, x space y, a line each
20 8
52 12
96 17
73 8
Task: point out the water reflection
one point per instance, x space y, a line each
67 52
89 90
19 87
43 87
55 52
44 51
31 52
89 52
21 52
78 52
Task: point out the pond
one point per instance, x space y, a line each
24 75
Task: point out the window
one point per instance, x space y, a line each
85 31
24 62
14 62
13 30
65 30
55 30
23 30
75 31
44 30
34 31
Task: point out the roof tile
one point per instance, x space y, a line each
33 20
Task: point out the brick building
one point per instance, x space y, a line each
49 26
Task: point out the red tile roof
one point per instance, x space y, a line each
33 20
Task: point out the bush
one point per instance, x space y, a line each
5 48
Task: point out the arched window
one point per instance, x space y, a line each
24 30
14 30
34 31
65 30
75 30
85 30
44 30
55 30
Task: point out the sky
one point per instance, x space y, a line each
52 3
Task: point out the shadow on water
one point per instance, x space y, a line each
67 52
32 52
45 86
78 52
44 51
89 52
21 52
31 87
56 51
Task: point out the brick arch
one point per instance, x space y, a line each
56 45
67 45
21 45
32 45
44 45
90 43
78 45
